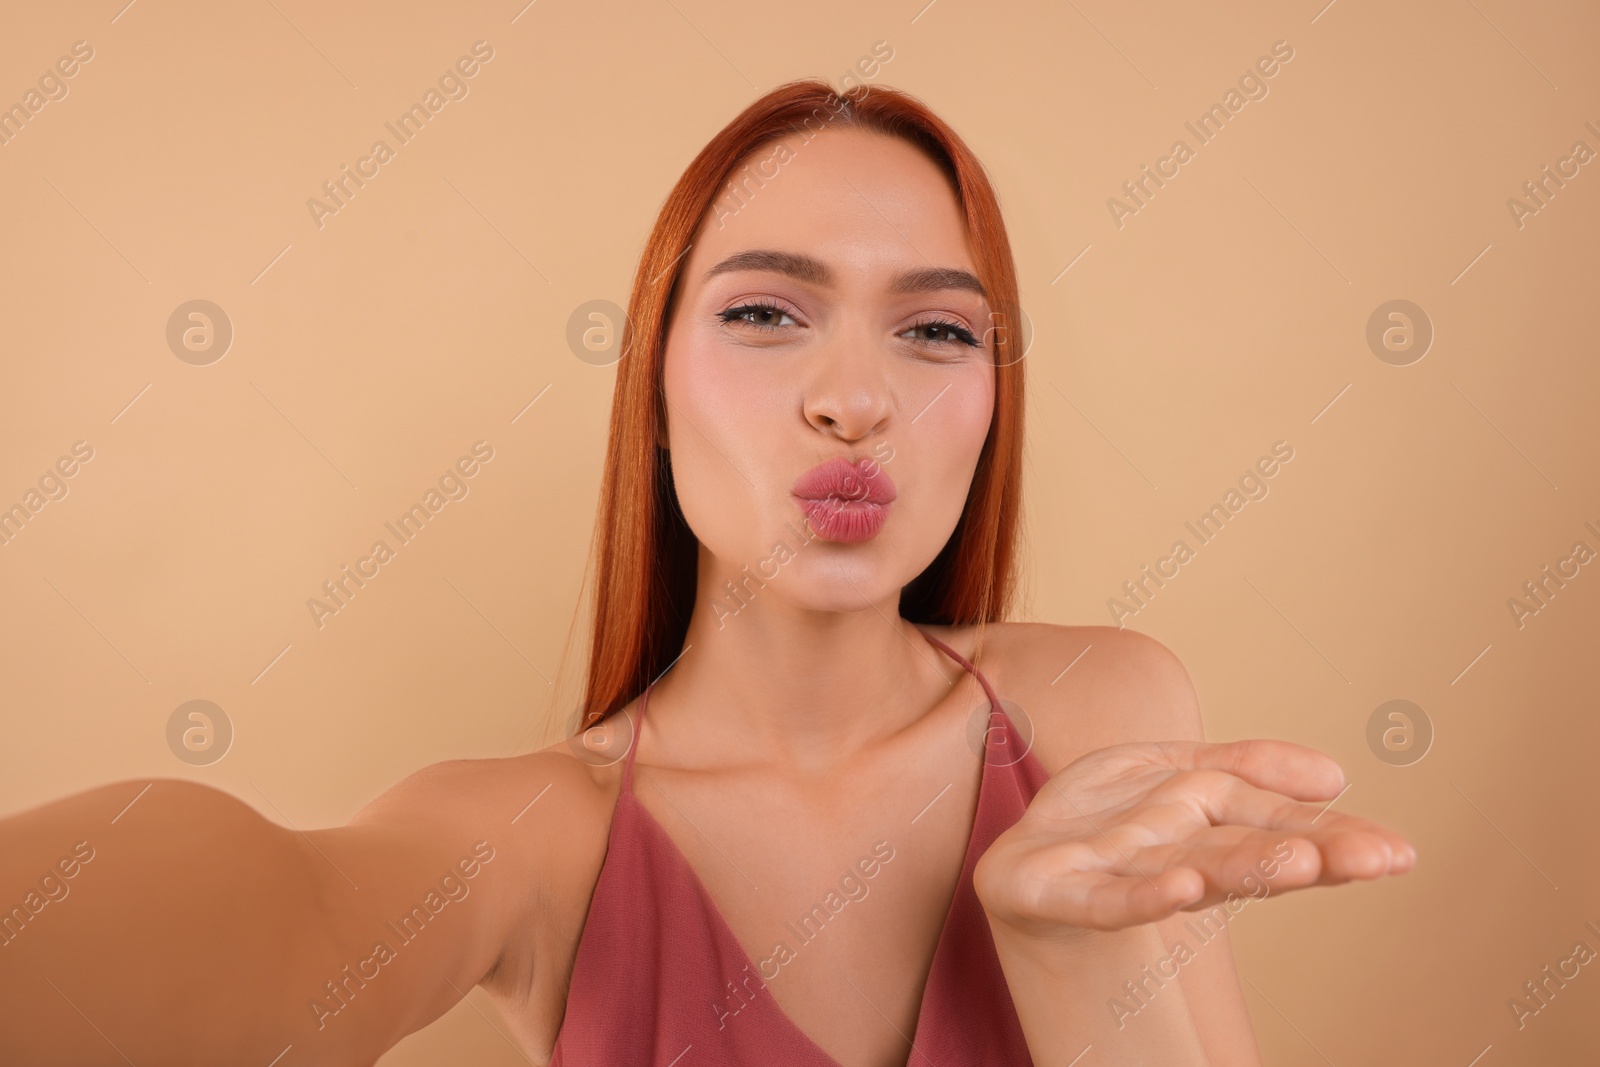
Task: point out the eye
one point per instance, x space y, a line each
763 316
943 332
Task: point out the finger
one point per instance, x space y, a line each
1223 827
1234 859
1238 861
1226 800
1356 848
1281 766
1353 847
1349 846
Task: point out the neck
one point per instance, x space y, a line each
782 683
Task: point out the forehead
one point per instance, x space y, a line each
866 204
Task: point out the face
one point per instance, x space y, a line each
860 339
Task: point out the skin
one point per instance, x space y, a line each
783 743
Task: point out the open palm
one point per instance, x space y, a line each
1131 833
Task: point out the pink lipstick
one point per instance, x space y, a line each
845 501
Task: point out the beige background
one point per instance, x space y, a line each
1228 314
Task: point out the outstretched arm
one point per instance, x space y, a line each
169 922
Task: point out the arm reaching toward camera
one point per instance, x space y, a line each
169 922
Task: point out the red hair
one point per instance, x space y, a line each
643 550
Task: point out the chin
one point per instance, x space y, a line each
840 597
848 577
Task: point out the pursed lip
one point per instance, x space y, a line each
842 481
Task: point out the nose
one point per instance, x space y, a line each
847 393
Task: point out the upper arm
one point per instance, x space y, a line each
140 901
1138 690
170 897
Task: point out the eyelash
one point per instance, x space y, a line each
961 335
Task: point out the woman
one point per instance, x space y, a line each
800 827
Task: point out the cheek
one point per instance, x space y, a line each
977 411
717 421
959 422
715 409
949 437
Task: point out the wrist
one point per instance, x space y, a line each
1059 950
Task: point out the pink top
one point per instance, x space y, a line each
656 955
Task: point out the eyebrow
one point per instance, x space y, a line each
810 269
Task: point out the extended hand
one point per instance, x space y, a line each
1132 833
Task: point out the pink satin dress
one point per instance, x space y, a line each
656 956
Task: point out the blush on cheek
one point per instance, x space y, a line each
965 423
722 435
704 384
950 441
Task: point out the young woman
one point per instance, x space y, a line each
801 827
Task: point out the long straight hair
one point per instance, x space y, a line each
644 554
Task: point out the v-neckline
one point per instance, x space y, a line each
725 930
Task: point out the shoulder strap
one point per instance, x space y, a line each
633 742
972 668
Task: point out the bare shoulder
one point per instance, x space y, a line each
546 815
528 798
1086 687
